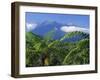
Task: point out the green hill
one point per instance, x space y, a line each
78 34
44 51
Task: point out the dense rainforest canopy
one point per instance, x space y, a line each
70 49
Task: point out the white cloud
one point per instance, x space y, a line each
74 28
30 26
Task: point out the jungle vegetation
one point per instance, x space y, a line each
45 51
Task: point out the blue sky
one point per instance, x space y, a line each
80 22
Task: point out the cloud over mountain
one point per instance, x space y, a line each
74 28
30 26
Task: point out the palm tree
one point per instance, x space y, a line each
48 52
78 55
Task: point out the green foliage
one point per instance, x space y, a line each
48 52
49 36
71 34
78 55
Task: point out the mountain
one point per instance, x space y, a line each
47 26
74 36
31 37
52 29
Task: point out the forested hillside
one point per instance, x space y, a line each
70 49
